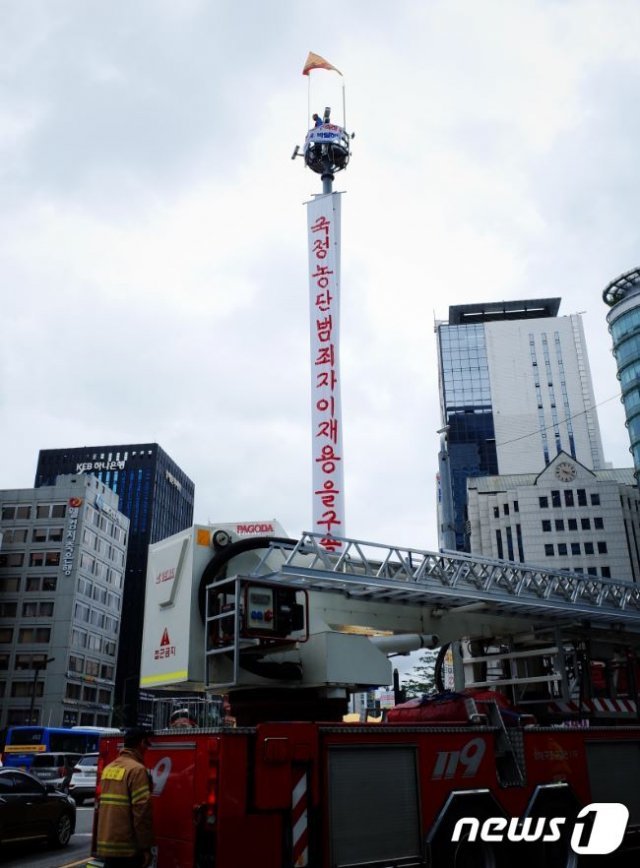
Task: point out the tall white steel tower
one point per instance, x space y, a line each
326 151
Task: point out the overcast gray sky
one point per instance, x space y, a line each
152 229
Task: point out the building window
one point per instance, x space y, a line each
606 572
89 694
11 513
546 525
81 612
106 672
499 545
575 548
548 550
505 509
4 661
14 536
562 549
568 497
92 667
44 559
555 499
543 502
585 524
94 643
588 548
76 664
79 638
9 584
96 618
104 697
34 635
84 587
595 500
24 689
572 524
602 548
51 510
37 609
41 583
73 691
516 506
592 571
598 523
559 524
520 554
510 545
46 534
6 635
8 610
29 661
582 497
496 512
12 559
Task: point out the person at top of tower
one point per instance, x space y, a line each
317 120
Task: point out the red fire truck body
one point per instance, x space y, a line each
288 631
283 795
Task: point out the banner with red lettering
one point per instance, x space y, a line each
323 222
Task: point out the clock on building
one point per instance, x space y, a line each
565 471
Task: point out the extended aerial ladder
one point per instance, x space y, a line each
566 643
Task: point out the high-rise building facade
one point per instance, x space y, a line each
622 295
157 496
62 559
515 390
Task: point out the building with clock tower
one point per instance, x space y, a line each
566 517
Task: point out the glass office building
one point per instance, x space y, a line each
157 497
515 390
622 295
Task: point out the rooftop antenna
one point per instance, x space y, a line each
326 151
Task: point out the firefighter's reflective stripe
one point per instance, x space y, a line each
299 818
139 795
112 848
114 799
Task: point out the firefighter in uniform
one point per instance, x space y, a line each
125 823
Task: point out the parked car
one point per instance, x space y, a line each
30 809
54 768
83 778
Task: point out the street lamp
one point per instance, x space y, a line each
37 667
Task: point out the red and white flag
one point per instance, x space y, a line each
314 61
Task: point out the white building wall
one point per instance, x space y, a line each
602 534
518 421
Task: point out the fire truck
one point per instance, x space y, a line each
530 753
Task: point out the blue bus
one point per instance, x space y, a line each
25 742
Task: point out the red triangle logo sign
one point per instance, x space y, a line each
165 638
